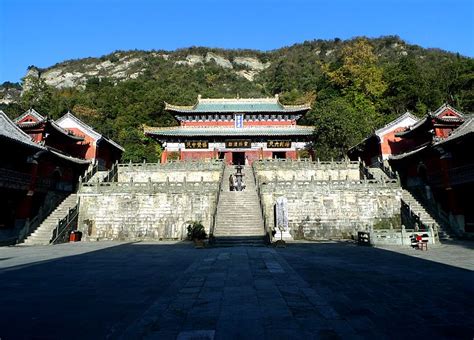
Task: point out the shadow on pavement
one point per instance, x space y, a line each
377 293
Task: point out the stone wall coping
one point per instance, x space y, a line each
175 165
148 187
334 183
272 164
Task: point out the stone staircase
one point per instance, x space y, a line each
378 174
239 218
444 233
44 233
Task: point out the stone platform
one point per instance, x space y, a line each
100 290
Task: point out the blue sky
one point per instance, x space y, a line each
44 32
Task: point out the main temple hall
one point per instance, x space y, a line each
238 130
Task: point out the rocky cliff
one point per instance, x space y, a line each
121 66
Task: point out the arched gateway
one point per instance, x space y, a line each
238 130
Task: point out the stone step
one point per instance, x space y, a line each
239 212
239 228
44 233
241 224
235 239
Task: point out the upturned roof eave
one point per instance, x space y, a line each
220 132
282 111
194 109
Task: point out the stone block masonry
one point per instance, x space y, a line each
332 209
326 200
172 172
283 170
149 206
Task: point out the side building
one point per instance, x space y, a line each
71 136
237 130
98 147
33 178
432 157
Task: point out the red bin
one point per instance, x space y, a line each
75 236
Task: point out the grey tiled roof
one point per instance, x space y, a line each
444 107
466 128
231 132
89 129
30 112
9 130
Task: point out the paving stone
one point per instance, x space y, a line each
238 328
158 291
196 335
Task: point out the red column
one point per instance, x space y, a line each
291 154
24 210
445 166
164 156
228 157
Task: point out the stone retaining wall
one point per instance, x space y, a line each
150 201
269 170
140 211
172 172
332 209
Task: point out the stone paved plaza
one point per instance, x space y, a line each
110 290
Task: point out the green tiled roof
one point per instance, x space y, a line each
246 105
231 132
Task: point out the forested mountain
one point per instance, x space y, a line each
355 85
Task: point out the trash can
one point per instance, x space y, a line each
75 236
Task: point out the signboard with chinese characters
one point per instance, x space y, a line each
239 120
241 143
196 144
274 144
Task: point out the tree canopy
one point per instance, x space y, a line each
355 86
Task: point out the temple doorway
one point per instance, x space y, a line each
238 158
279 155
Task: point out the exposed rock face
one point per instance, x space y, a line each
252 63
191 60
122 66
221 61
9 95
247 74
32 73
60 80
66 75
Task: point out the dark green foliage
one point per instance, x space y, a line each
355 85
196 231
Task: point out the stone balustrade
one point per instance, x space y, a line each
150 201
268 170
400 237
170 172
148 187
332 204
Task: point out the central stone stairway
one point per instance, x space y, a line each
239 218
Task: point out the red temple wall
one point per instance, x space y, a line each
195 155
28 118
246 123
91 149
251 155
